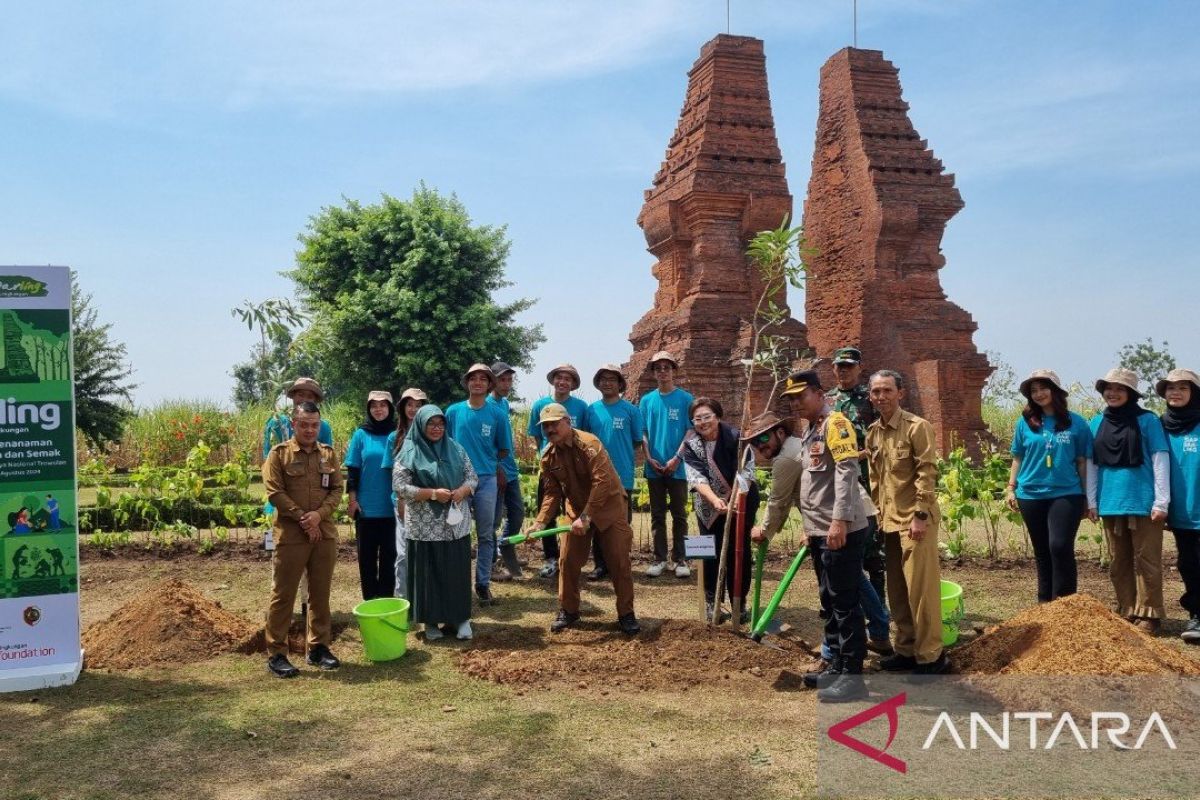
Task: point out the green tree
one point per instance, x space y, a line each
1002 387
401 293
1151 363
279 356
103 391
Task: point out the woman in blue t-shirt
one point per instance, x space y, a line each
370 491
1181 423
1128 484
1048 478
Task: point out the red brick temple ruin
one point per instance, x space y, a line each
722 182
878 203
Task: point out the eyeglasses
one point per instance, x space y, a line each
703 418
436 423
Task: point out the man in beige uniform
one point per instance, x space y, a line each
303 482
903 458
576 469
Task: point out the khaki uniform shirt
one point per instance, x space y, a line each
580 472
818 472
298 481
903 457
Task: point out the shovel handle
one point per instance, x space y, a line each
760 625
760 559
520 538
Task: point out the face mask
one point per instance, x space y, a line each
454 515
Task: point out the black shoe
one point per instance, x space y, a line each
483 594
628 624
880 647
564 619
1191 631
319 656
897 663
938 667
845 688
279 666
598 574
822 676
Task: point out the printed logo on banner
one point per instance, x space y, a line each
32 615
21 286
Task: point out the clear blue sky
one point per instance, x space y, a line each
171 153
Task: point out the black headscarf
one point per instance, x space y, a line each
380 427
1180 421
1119 437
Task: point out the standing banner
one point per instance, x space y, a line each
39 538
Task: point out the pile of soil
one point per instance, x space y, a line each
672 655
1075 635
170 623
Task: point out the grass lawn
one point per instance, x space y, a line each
419 727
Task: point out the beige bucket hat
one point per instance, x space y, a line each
1122 377
1160 388
485 369
552 412
1047 375
414 394
305 384
765 423
613 368
663 355
379 394
567 368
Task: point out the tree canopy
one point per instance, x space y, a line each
400 293
101 373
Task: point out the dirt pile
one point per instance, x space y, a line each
672 654
170 623
1075 635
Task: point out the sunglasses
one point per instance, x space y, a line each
761 439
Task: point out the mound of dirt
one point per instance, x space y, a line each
1075 635
670 655
170 623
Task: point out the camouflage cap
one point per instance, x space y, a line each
847 355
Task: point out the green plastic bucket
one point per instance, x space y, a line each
952 612
384 625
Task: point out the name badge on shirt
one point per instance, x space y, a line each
325 480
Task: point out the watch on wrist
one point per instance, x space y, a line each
921 515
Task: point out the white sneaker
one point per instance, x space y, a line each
655 569
464 630
682 570
432 633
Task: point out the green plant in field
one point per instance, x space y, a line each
969 491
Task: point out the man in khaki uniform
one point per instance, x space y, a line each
303 482
576 469
903 457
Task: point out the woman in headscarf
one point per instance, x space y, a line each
434 477
1050 449
710 452
371 498
1181 422
1129 486
410 402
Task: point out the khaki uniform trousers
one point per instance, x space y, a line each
315 560
914 578
1136 569
615 543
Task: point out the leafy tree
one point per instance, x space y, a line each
1151 362
1001 389
103 392
279 355
401 294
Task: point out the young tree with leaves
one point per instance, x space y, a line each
103 391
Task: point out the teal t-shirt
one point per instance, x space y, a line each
1130 490
1039 480
619 428
576 410
389 461
279 429
666 419
510 461
483 432
366 453
1184 512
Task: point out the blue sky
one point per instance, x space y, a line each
171 153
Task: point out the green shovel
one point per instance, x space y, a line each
521 538
761 623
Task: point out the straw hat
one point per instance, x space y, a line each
613 368
1047 375
1122 377
485 369
305 384
567 368
1160 388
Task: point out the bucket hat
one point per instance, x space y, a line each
1047 375
1160 388
1122 377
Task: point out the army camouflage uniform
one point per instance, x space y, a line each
855 403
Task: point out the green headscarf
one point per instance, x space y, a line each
434 465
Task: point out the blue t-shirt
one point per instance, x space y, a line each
576 410
1184 513
1038 481
1130 490
510 461
366 452
483 432
666 419
619 428
279 429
